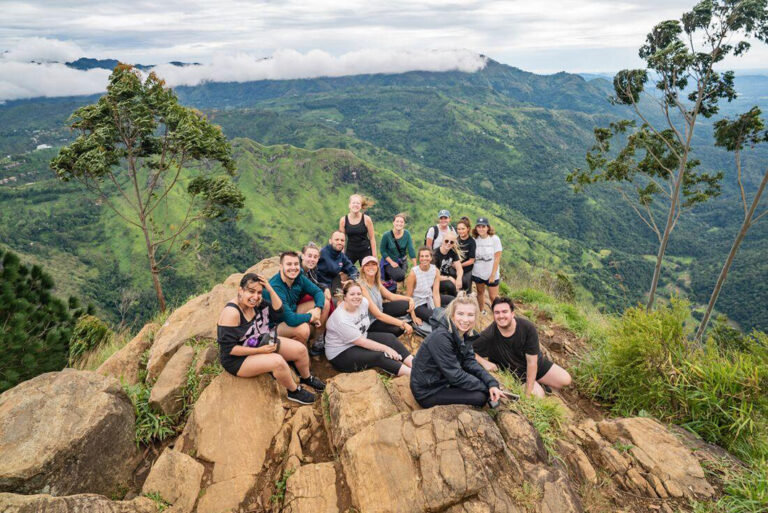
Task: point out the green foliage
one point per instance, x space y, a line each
90 333
546 415
160 503
35 327
646 363
150 426
278 497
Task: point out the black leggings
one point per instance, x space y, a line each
357 254
466 282
359 358
394 273
448 288
396 309
451 395
424 312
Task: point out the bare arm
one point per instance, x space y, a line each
341 225
375 346
391 296
496 260
371 234
378 314
436 293
459 274
531 368
487 364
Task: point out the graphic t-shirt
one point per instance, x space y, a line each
484 253
343 328
444 262
468 247
509 352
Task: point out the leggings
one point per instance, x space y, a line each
466 282
448 288
357 254
359 358
451 395
424 312
396 309
394 273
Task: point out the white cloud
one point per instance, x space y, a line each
29 80
43 49
290 64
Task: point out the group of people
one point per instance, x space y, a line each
357 314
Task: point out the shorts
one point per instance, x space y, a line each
541 371
232 363
494 283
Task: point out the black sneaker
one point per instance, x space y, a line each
301 396
313 382
318 346
547 388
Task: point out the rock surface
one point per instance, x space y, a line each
66 432
168 392
85 503
312 488
176 477
125 364
226 495
232 425
197 318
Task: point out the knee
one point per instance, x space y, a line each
302 332
567 379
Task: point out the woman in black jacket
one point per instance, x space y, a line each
445 370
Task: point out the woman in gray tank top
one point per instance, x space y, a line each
386 309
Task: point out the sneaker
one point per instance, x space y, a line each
313 382
547 388
317 347
301 396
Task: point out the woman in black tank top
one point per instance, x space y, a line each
247 348
358 227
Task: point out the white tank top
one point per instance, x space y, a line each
422 293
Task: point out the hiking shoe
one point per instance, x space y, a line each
313 382
546 388
301 396
318 346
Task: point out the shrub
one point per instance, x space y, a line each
90 332
150 426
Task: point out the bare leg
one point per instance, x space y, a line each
257 364
404 370
481 295
493 293
556 377
295 351
300 332
538 391
408 361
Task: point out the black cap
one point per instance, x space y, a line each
482 221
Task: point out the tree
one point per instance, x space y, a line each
35 327
747 129
136 144
655 160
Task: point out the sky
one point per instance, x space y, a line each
305 38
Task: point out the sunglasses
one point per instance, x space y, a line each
449 242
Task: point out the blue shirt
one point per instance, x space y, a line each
291 296
332 263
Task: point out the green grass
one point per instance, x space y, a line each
278 497
160 503
150 426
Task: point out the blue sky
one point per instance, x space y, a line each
543 36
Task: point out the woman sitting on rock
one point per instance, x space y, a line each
445 370
385 309
423 286
350 347
248 348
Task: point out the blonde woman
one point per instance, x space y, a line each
385 309
358 227
445 370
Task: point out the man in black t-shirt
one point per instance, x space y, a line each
512 343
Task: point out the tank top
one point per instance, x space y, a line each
422 293
357 235
376 299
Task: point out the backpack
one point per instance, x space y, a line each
436 231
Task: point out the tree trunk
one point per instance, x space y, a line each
153 266
728 261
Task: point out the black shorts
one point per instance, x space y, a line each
232 363
541 371
486 282
357 254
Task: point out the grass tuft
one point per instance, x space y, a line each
150 426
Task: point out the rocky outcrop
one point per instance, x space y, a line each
233 424
644 457
125 364
65 433
226 495
85 503
196 319
168 391
312 488
176 477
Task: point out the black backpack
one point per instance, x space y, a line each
436 231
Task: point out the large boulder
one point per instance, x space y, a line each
168 391
233 423
312 488
431 460
226 496
356 400
196 319
176 477
65 433
84 503
125 365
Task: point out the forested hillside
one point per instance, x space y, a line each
501 139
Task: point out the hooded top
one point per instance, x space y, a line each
445 359
331 263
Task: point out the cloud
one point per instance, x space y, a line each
290 64
43 49
29 80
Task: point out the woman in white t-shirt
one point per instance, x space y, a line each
485 272
350 348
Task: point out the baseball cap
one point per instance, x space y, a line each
482 221
443 213
369 259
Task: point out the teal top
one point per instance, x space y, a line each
389 248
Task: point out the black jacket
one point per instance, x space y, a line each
445 359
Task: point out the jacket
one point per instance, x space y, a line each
291 296
445 359
331 263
